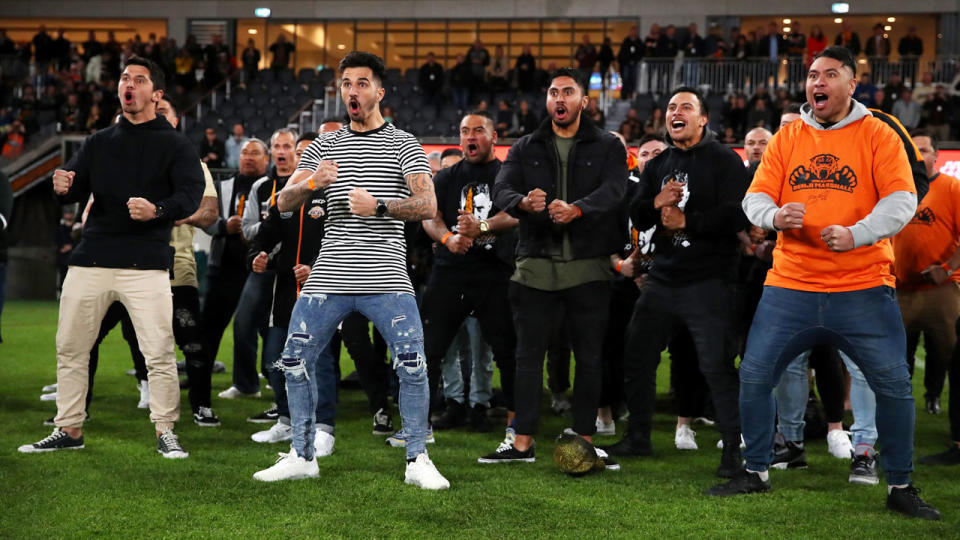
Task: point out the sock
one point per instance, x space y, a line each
864 450
901 486
764 475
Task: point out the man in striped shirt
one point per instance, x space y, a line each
376 177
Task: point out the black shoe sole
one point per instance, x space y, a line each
929 517
735 493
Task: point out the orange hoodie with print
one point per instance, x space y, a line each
931 237
839 174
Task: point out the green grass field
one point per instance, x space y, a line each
120 487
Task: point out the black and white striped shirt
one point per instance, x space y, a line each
363 255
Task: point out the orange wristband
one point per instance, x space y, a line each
311 184
619 264
579 211
445 237
946 267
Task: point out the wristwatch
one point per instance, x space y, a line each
381 208
159 211
484 226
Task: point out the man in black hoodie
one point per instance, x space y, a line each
691 193
563 251
143 176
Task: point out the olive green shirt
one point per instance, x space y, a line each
561 270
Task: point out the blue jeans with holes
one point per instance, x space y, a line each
314 320
469 346
866 325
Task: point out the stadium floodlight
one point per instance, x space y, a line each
262 12
840 7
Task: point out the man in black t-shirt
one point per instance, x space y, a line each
474 258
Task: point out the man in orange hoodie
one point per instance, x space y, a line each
836 185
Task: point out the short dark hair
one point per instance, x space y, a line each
650 137
934 141
842 55
355 59
172 106
308 136
792 108
574 74
478 112
156 74
451 152
704 110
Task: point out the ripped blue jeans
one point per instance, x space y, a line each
312 324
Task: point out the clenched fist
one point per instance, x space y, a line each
362 203
790 216
259 264
563 212
141 209
535 201
62 180
325 174
837 238
301 272
670 195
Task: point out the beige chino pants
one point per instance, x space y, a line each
87 293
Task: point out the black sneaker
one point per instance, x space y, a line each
455 415
933 405
219 367
950 456
628 447
478 419
169 446
742 483
788 454
383 422
268 416
863 470
907 501
204 417
58 440
507 453
181 366
730 461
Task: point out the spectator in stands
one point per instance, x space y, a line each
655 125
736 114
651 40
16 138
693 44
435 159
586 55
42 49
894 88
741 48
631 52
667 44
460 81
760 115
924 89
61 50
212 150
606 58
71 115
498 70
431 79
729 136
526 69
233 146
880 101
816 41
91 47
848 38
865 90
96 119
7 46
937 113
714 45
250 60
636 125
216 59
479 59
796 41
907 110
450 157
772 46
877 49
910 44
184 69
526 121
595 113
281 49
388 114
504 118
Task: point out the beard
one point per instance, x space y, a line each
571 118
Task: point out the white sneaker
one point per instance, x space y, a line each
144 387
323 443
704 420
233 393
839 443
277 433
289 467
50 396
50 388
423 474
604 428
743 445
609 464
685 438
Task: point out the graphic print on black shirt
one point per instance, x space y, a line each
680 238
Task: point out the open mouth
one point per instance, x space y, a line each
677 125
281 160
354 106
819 99
472 149
560 111
127 96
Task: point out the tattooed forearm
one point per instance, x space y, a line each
419 206
292 196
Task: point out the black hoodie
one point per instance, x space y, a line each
716 181
149 160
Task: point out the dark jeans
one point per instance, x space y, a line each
867 326
826 363
628 80
558 359
705 309
251 318
223 293
369 359
188 333
623 295
3 291
535 312
690 389
449 299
